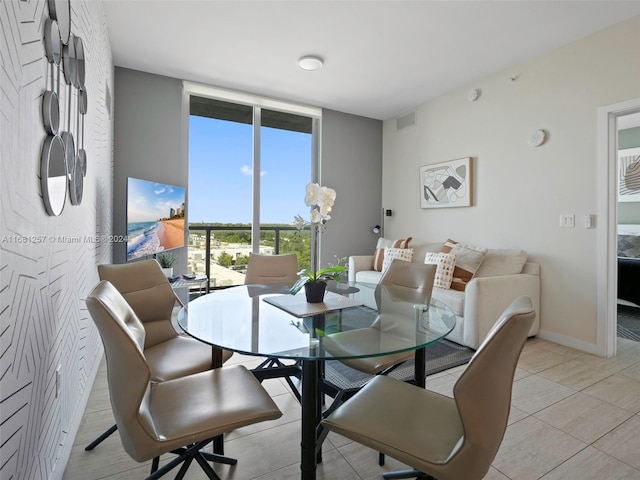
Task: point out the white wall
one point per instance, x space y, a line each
520 191
43 319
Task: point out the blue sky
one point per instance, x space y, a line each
150 201
220 172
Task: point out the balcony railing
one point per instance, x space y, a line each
207 243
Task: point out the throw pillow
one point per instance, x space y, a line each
378 257
391 254
468 260
446 263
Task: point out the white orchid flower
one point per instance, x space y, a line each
313 194
316 217
325 210
298 222
328 197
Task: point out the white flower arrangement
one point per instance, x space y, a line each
321 200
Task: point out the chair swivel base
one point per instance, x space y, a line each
407 474
101 438
186 455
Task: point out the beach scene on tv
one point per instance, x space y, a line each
155 217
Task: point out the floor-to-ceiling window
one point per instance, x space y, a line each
248 167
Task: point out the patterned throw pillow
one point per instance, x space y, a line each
468 260
446 263
391 254
378 257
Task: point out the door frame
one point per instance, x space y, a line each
607 195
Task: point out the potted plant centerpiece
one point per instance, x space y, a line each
166 261
321 200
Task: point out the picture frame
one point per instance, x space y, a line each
629 175
446 184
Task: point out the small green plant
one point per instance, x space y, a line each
166 260
308 276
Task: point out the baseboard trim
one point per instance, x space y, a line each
571 342
58 470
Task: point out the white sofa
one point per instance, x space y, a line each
502 276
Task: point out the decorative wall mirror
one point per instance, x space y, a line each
60 10
53 175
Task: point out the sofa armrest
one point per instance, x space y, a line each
486 299
358 263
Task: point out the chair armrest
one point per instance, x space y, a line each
487 297
358 263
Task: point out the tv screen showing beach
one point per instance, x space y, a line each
155 217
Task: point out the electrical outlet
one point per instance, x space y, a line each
58 380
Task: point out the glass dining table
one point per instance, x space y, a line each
266 321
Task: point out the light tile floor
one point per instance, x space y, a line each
573 416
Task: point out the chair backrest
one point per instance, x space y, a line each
271 269
483 391
128 374
418 279
148 292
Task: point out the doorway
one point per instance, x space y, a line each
609 118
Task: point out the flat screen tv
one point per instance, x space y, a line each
155 217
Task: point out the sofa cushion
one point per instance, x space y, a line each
378 257
368 276
444 272
499 262
468 260
391 254
453 299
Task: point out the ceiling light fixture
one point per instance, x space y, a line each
310 63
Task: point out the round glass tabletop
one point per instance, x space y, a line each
266 321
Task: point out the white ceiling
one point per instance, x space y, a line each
382 58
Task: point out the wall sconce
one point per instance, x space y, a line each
378 229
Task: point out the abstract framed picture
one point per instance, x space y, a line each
629 175
446 184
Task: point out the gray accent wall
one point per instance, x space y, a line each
351 153
48 264
148 143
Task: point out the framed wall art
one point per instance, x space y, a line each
629 175
446 184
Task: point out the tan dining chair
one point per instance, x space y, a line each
416 284
272 269
149 293
273 274
446 438
401 286
181 415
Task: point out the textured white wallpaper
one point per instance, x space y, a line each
48 264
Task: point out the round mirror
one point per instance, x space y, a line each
69 153
52 42
82 101
77 183
60 10
50 112
69 62
79 50
53 175
82 159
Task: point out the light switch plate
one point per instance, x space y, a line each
567 221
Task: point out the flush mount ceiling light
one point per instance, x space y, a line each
310 63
